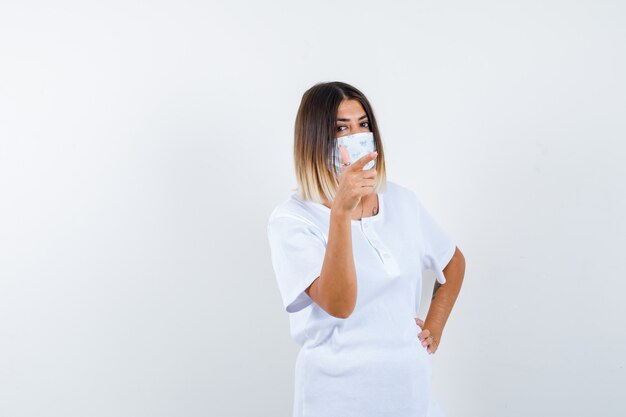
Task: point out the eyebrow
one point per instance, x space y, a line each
347 120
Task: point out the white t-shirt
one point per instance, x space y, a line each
370 364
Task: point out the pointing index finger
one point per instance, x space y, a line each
360 163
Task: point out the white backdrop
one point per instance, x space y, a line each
144 144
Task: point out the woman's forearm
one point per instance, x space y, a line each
335 290
445 295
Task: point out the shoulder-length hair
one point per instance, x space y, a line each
315 140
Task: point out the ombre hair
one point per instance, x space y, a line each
315 140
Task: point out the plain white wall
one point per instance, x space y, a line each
144 144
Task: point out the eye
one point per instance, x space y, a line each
339 128
366 123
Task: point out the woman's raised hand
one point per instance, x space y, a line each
354 182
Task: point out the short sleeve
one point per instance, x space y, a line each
297 250
438 245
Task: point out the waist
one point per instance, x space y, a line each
362 338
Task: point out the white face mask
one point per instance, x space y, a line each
357 145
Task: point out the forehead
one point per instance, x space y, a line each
350 108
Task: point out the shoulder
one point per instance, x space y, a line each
395 188
399 193
293 211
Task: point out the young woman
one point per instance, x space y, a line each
348 250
